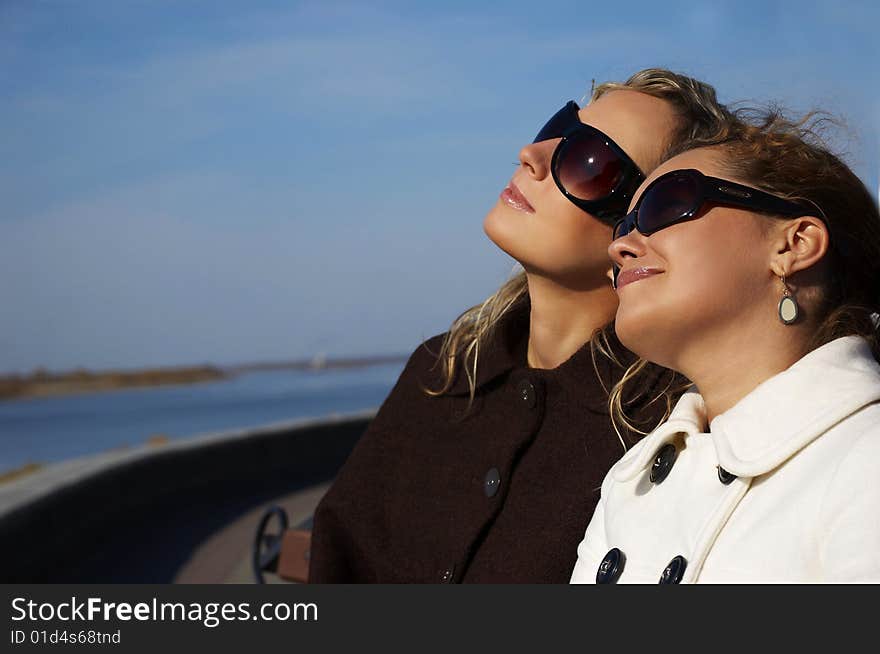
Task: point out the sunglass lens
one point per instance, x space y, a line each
670 200
558 123
588 168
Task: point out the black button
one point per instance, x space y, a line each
527 393
492 482
724 476
663 462
446 575
611 567
674 571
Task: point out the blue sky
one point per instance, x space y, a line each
189 182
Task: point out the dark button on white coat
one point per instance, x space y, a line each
663 462
725 477
611 567
674 571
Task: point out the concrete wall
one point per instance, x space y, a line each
136 516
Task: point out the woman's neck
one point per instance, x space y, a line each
563 319
733 363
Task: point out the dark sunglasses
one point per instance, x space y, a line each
590 169
679 195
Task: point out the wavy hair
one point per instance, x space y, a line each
789 157
699 115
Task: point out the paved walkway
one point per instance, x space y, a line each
225 557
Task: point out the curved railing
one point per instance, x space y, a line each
137 516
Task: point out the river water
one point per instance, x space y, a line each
44 430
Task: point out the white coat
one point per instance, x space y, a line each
804 506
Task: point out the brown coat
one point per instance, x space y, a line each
500 493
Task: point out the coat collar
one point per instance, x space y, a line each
688 417
793 408
779 417
507 351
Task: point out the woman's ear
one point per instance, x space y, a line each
800 243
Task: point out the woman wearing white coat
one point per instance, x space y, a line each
750 264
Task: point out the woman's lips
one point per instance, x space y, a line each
512 197
635 274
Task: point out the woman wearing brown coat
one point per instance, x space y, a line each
484 464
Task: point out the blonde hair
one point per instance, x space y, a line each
788 157
695 103
699 115
617 400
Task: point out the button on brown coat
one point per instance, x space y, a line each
436 493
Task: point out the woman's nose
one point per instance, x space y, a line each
626 247
535 158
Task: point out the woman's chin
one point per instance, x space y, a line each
633 331
544 254
501 233
655 345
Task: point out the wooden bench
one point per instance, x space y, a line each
281 550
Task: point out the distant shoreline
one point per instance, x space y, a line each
42 383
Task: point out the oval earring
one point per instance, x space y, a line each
788 306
